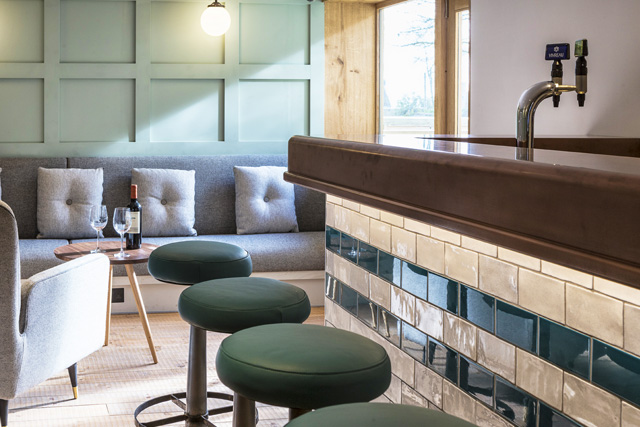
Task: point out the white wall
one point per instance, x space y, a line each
508 39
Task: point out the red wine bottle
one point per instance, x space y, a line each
134 235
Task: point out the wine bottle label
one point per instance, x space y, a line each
135 223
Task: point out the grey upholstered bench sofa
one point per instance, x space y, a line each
288 256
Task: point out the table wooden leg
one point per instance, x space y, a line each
108 326
135 288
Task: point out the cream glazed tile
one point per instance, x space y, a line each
497 355
341 319
485 417
394 392
521 259
479 246
630 415
329 263
582 304
567 274
392 219
351 205
617 290
445 235
429 319
370 212
330 214
380 291
588 404
403 304
460 334
498 278
360 226
461 264
403 244
458 403
380 235
358 279
342 269
333 199
342 219
539 378
429 384
401 363
417 227
430 254
412 397
632 328
541 294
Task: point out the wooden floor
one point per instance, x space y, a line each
116 379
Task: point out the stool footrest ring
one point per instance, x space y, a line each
176 399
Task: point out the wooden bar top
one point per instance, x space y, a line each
580 210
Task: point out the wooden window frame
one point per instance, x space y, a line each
446 43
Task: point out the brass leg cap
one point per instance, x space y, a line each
75 392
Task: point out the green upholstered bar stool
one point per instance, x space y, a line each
377 415
301 367
188 263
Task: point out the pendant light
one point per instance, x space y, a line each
215 19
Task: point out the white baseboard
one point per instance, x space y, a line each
162 297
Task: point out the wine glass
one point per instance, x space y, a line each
98 219
121 223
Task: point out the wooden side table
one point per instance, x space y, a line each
136 256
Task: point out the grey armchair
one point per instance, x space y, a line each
47 322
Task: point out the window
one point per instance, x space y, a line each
420 41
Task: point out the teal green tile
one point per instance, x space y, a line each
349 299
443 360
515 405
367 312
443 293
564 347
332 237
414 280
517 326
368 257
616 371
389 268
414 342
349 248
476 381
389 326
477 307
549 417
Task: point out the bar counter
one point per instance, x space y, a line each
577 209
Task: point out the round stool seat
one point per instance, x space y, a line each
377 415
194 261
303 366
230 305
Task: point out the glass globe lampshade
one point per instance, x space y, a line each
215 19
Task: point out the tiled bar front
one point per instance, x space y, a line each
490 335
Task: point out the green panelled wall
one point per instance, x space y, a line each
140 77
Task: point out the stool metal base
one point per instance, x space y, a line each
191 421
195 409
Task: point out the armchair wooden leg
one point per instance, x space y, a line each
4 412
73 375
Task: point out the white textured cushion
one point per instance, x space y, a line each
265 203
65 197
167 197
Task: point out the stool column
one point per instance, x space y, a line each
244 411
197 374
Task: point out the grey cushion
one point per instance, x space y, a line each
65 197
265 203
36 255
215 187
167 197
